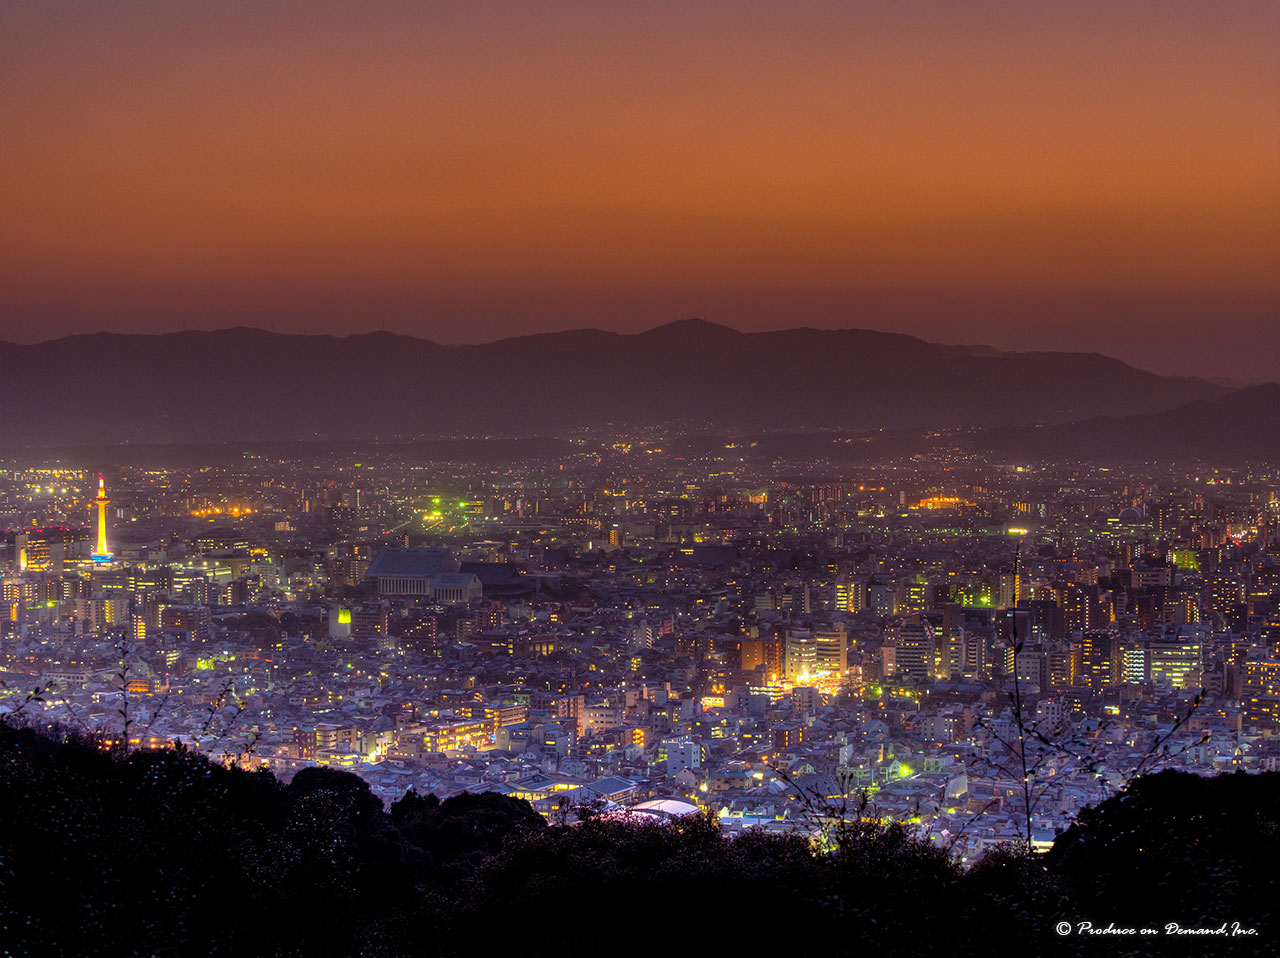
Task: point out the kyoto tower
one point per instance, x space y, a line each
101 554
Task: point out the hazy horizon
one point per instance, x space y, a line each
1082 176
1137 361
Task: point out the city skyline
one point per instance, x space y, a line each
1083 176
551 477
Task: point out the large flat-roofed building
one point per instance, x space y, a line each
408 572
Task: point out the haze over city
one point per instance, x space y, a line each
574 478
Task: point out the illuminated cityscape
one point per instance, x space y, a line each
576 478
623 623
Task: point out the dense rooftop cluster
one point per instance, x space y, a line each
974 649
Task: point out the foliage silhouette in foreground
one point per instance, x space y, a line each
167 853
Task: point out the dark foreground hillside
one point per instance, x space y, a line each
164 853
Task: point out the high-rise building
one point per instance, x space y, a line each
1179 663
800 654
46 550
914 598
1100 659
196 620
765 650
915 649
1167 517
1032 666
1135 662
1261 696
851 595
953 659
1080 606
882 599
831 648
1064 666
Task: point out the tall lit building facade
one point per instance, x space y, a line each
1100 659
915 649
799 654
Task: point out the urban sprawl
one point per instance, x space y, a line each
949 643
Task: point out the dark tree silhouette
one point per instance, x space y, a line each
167 853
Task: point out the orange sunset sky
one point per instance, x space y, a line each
1037 175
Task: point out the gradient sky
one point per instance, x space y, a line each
1074 175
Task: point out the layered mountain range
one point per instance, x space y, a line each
247 385
1239 426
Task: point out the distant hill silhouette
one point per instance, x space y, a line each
252 385
1243 425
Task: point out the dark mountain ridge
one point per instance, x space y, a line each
245 384
1243 425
